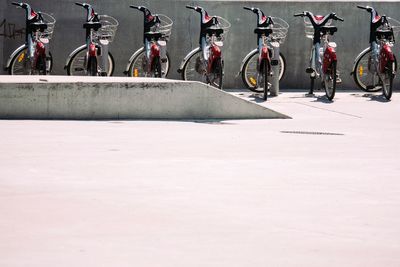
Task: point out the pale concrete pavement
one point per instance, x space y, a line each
230 193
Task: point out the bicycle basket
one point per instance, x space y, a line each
280 29
51 23
165 26
309 29
108 28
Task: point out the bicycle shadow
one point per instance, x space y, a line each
258 98
373 97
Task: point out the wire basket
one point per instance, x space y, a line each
309 29
165 26
280 29
109 26
51 23
395 25
223 24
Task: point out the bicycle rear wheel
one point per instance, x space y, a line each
330 81
249 72
77 64
387 82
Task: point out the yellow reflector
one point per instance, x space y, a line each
253 81
21 57
361 70
135 72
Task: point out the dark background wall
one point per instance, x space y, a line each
352 36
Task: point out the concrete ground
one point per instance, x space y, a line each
321 189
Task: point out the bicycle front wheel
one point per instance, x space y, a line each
20 64
138 67
249 72
77 65
387 82
330 81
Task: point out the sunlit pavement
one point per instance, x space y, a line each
321 189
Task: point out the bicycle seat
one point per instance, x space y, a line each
153 35
384 34
214 30
263 30
38 26
92 25
328 30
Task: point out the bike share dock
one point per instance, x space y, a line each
112 98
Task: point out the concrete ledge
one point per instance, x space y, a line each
94 98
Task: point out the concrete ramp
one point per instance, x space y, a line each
113 98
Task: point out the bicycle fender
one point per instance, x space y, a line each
73 53
132 58
187 58
19 49
358 57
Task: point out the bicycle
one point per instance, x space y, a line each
151 60
205 63
375 67
90 59
256 66
323 60
32 58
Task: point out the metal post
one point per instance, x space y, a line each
274 91
104 57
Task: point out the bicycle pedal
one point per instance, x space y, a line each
309 70
338 80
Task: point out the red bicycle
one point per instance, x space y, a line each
152 59
375 67
33 58
323 60
206 63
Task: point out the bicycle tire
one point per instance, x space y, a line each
387 84
41 65
192 68
246 75
76 65
265 78
156 68
219 73
330 81
92 66
137 65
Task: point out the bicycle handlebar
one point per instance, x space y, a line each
134 7
16 4
362 7
248 8
191 7
299 15
338 18
79 4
